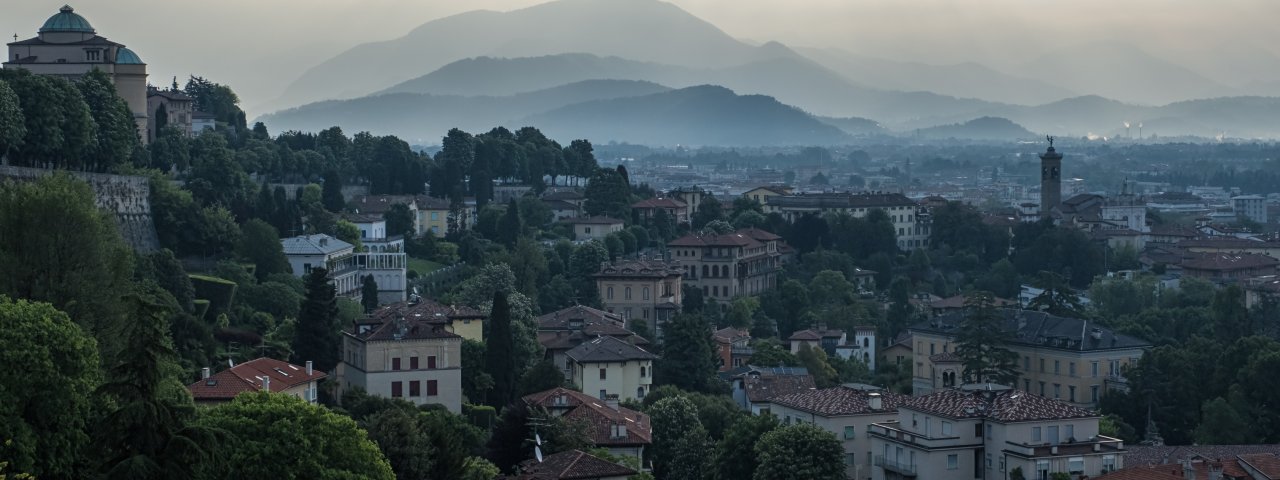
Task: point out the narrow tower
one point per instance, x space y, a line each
1050 180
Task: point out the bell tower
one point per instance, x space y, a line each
1050 180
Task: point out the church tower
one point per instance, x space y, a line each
1050 180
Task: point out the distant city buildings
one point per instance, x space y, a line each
911 221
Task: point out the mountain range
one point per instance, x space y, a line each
483 68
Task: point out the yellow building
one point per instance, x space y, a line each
406 358
460 320
1068 359
761 195
641 289
67 46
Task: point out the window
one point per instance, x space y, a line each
1114 368
1108 463
1035 434
609 293
1053 434
639 392
603 393
1026 364
603 373
850 432
931 345
1041 365
626 293
953 462
1026 385
645 293
435 215
1071 369
588 230
1093 393
1042 469
433 388
1075 465
977 430
642 372
988 460
850 458
413 363
397 389
1057 391
946 428
415 388
431 362
1069 431
1071 393
1094 366
1041 389
395 363
1057 367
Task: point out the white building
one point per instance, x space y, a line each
611 367
847 411
347 268
415 359
373 234
1252 207
988 431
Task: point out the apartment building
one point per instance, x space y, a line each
641 289
1069 359
745 262
409 358
347 267
989 432
847 411
911 221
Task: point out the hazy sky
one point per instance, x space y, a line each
259 46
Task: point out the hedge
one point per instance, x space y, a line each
218 291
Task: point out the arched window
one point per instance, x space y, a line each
866 342
626 293
610 294
640 392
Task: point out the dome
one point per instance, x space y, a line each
126 56
66 20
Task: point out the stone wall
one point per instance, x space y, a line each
126 196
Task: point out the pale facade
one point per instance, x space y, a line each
911 221
608 366
347 268
847 412
744 262
68 47
1059 358
761 195
594 228
641 289
976 433
407 359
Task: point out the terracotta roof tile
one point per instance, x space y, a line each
599 417
247 376
840 401
1005 405
572 465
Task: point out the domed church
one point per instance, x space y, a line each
67 46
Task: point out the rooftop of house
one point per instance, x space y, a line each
817 333
571 465
659 202
1145 455
1226 262
730 335
764 387
596 220
957 301
1001 404
841 401
599 416
1041 330
569 327
563 194
393 327
1230 243
608 349
247 376
644 268
1243 462
170 95
425 310
841 200
378 204
363 218
777 189
559 205
317 244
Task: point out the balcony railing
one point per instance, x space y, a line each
895 466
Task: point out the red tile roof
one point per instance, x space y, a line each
599 417
572 465
247 376
659 203
840 401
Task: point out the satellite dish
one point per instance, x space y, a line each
537 453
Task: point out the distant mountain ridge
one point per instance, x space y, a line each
984 128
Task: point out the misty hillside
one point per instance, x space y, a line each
702 115
965 80
412 116
641 30
1122 71
985 128
855 126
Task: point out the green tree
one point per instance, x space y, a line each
801 451
498 361
403 441
319 333
78 263
542 376
148 435
709 210
348 232
510 227
263 425
815 361
734 456
1058 298
607 194
331 192
117 133
260 245
1231 319
981 343
1223 424
689 362
12 128
399 220
47 401
369 294
679 439
771 353
584 264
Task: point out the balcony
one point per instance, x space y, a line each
894 466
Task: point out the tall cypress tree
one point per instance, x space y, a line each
369 294
318 333
981 343
511 226
331 195
498 361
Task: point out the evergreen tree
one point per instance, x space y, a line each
676 433
318 336
369 294
498 361
607 194
981 343
799 452
690 361
12 128
331 196
709 211
815 360
510 227
734 457
260 244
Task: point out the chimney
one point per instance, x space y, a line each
611 400
874 401
309 368
266 383
1215 470
1188 471
204 373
